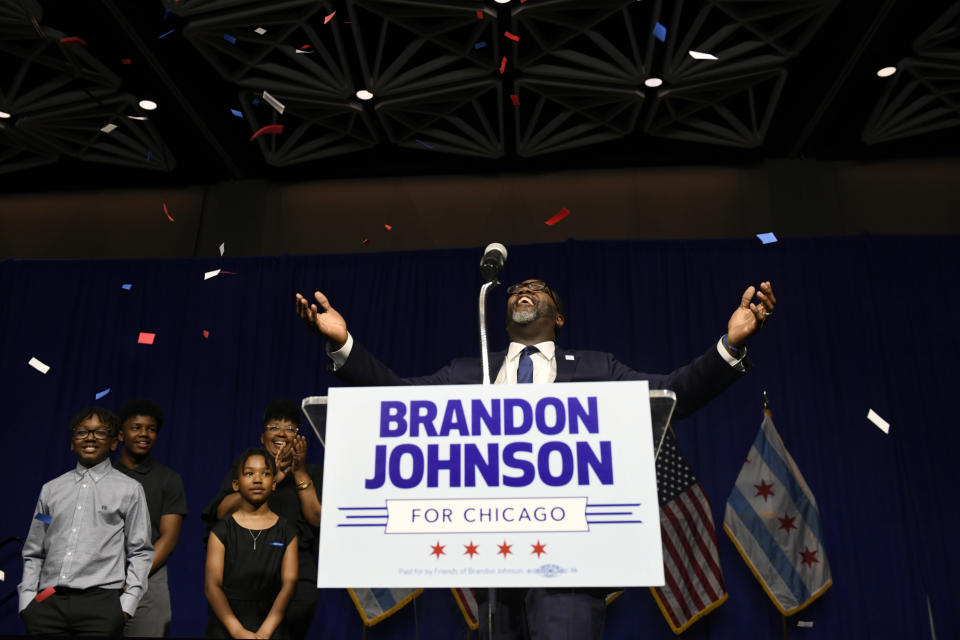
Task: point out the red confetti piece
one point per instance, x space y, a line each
166 211
229 273
388 227
563 213
515 99
46 593
307 46
329 17
365 241
479 15
272 129
73 40
503 65
146 338
126 61
512 36
206 334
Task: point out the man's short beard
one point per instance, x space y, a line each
524 316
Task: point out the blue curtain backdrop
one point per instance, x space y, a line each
863 322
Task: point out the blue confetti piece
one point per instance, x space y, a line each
256 101
229 38
236 113
767 238
100 394
425 144
166 34
165 14
149 155
480 45
44 518
126 287
277 544
660 32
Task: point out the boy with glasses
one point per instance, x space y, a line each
296 498
140 422
88 553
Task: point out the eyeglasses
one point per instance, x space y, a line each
276 428
534 286
99 434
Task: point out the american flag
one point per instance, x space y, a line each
694 583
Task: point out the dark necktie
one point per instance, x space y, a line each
525 367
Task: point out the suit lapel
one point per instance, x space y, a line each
566 364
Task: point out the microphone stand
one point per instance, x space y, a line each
485 363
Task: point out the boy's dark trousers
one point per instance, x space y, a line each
76 612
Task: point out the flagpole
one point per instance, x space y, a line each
766 401
783 617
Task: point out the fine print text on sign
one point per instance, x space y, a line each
490 486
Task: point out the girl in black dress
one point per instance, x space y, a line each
251 558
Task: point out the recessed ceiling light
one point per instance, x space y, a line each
363 94
148 105
886 72
502 1
653 82
4 114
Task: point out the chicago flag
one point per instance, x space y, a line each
773 520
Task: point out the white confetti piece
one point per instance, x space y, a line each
223 246
259 31
211 274
805 624
3 576
699 55
882 424
39 366
273 102
107 128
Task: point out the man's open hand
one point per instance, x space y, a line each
326 320
755 309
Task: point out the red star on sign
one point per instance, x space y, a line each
809 557
471 549
438 550
505 549
539 548
763 489
786 522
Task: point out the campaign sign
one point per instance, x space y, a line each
490 486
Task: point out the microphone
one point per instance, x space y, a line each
493 258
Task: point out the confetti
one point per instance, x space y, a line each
388 227
73 40
126 287
515 99
273 102
563 213
329 17
206 334
3 576
149 155
480 45
223 246
697 55
42 517
108 128
146 338
211 274
225 272
165 14
167 211
503 65
479 15
365 241
882 424
512 36
302 51
259 31
660 32
239 114
306 46
229 38
767 238
424 144
164 35
255 101
126 61
805 624
272 129
141 118
46 593
277 544
39 366
100 394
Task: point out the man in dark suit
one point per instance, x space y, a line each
534 316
